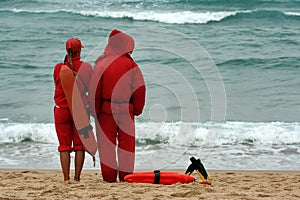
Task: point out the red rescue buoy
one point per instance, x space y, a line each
157 177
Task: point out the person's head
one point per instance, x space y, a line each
120 42
73 46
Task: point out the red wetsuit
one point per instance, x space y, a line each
64 125
117 94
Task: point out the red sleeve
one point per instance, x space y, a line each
56 73
94 92
139 91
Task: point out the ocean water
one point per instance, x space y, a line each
222 79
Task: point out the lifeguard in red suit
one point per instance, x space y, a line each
65 128
116 94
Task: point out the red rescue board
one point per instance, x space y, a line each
156 177
78 110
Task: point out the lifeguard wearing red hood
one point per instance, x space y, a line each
116 94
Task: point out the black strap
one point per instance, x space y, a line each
156 177
83 83
85 130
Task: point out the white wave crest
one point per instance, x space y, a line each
17 10
186 134
292 13
19 132
174 133
183 17
179 17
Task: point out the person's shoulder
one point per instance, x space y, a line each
86 64
57 70
86 67
127 59
101 63
58 66
133 63
130 59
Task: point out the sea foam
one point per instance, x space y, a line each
174 133
176 17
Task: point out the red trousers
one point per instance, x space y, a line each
66 131
116 145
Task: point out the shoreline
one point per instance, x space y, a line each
171 169
226 184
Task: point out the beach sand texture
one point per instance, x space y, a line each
48 184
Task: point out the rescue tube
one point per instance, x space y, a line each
78 110
157 177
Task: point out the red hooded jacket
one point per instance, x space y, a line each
117 84
84 72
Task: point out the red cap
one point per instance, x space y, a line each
74 44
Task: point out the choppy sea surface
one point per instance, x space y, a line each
222 79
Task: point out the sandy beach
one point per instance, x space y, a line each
48 184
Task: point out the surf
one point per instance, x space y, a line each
174 134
